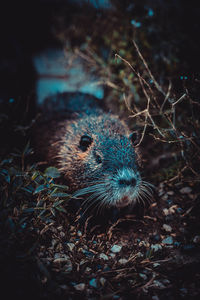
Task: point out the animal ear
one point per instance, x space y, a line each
134 137
85 142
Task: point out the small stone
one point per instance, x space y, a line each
164 197
183 291
70 246
59 260
179 210
160 193
143 276
156 247
60 228
103 256
165 211
63 286
53 243
169 202
155 265
168 240
80 287
140 254
87 253
186 190
102 280
62 234
123 261
196 239
93 283
166 281
177 244
155 298
67 268
192 197
159 284
72 228
167 228
172 209
60 257
83 261
88 270
144 243
112 255
116 248
161 185
170 193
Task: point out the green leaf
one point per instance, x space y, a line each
42 212
61 186
58 203
6 161
65 195
39 189
53 212
35 175
6 175
60 209
28 190
28 210
52 172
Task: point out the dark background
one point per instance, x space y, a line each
26 27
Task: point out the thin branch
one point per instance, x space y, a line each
179 100
159 88
166 97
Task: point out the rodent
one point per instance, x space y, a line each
94 150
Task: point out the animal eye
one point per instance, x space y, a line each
85 142
134 137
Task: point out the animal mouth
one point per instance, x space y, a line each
104 194
124 201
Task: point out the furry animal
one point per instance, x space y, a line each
94 150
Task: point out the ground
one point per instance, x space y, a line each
47 250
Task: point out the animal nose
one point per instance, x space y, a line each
127 182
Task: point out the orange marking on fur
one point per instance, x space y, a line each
83 155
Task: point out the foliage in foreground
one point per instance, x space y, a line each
28 192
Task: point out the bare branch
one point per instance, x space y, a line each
159 88
179 100
166 97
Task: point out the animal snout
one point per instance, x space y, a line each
127 182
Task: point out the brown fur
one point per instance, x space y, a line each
58 143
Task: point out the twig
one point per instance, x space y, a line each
179 100
177 176
159 88
149 282
166 97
